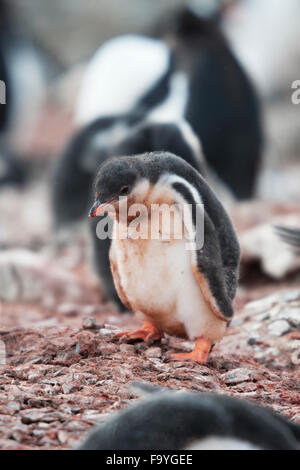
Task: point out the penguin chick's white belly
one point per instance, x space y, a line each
157 279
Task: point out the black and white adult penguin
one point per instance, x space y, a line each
178 288
92 146
221 104
170 420
187 73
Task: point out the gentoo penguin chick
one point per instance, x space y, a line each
178 284
169 420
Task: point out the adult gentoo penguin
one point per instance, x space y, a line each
178 290
170 420
221 103
187 72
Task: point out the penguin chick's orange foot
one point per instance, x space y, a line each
148 333
199 354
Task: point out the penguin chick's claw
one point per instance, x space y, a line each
148 333
199 354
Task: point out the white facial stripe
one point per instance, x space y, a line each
169 179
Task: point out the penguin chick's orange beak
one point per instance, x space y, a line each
99 209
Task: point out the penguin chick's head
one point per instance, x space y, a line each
115 179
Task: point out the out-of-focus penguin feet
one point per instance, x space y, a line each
199 354
148 333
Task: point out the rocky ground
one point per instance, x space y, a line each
63 369
67 371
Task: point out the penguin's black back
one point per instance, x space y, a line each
223 110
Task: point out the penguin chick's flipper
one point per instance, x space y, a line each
148 333
215 261
199 354
214 279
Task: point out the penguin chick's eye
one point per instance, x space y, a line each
124 190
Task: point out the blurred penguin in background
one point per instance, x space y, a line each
265 37
187 71
221 104
170 420
23 81
10 169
